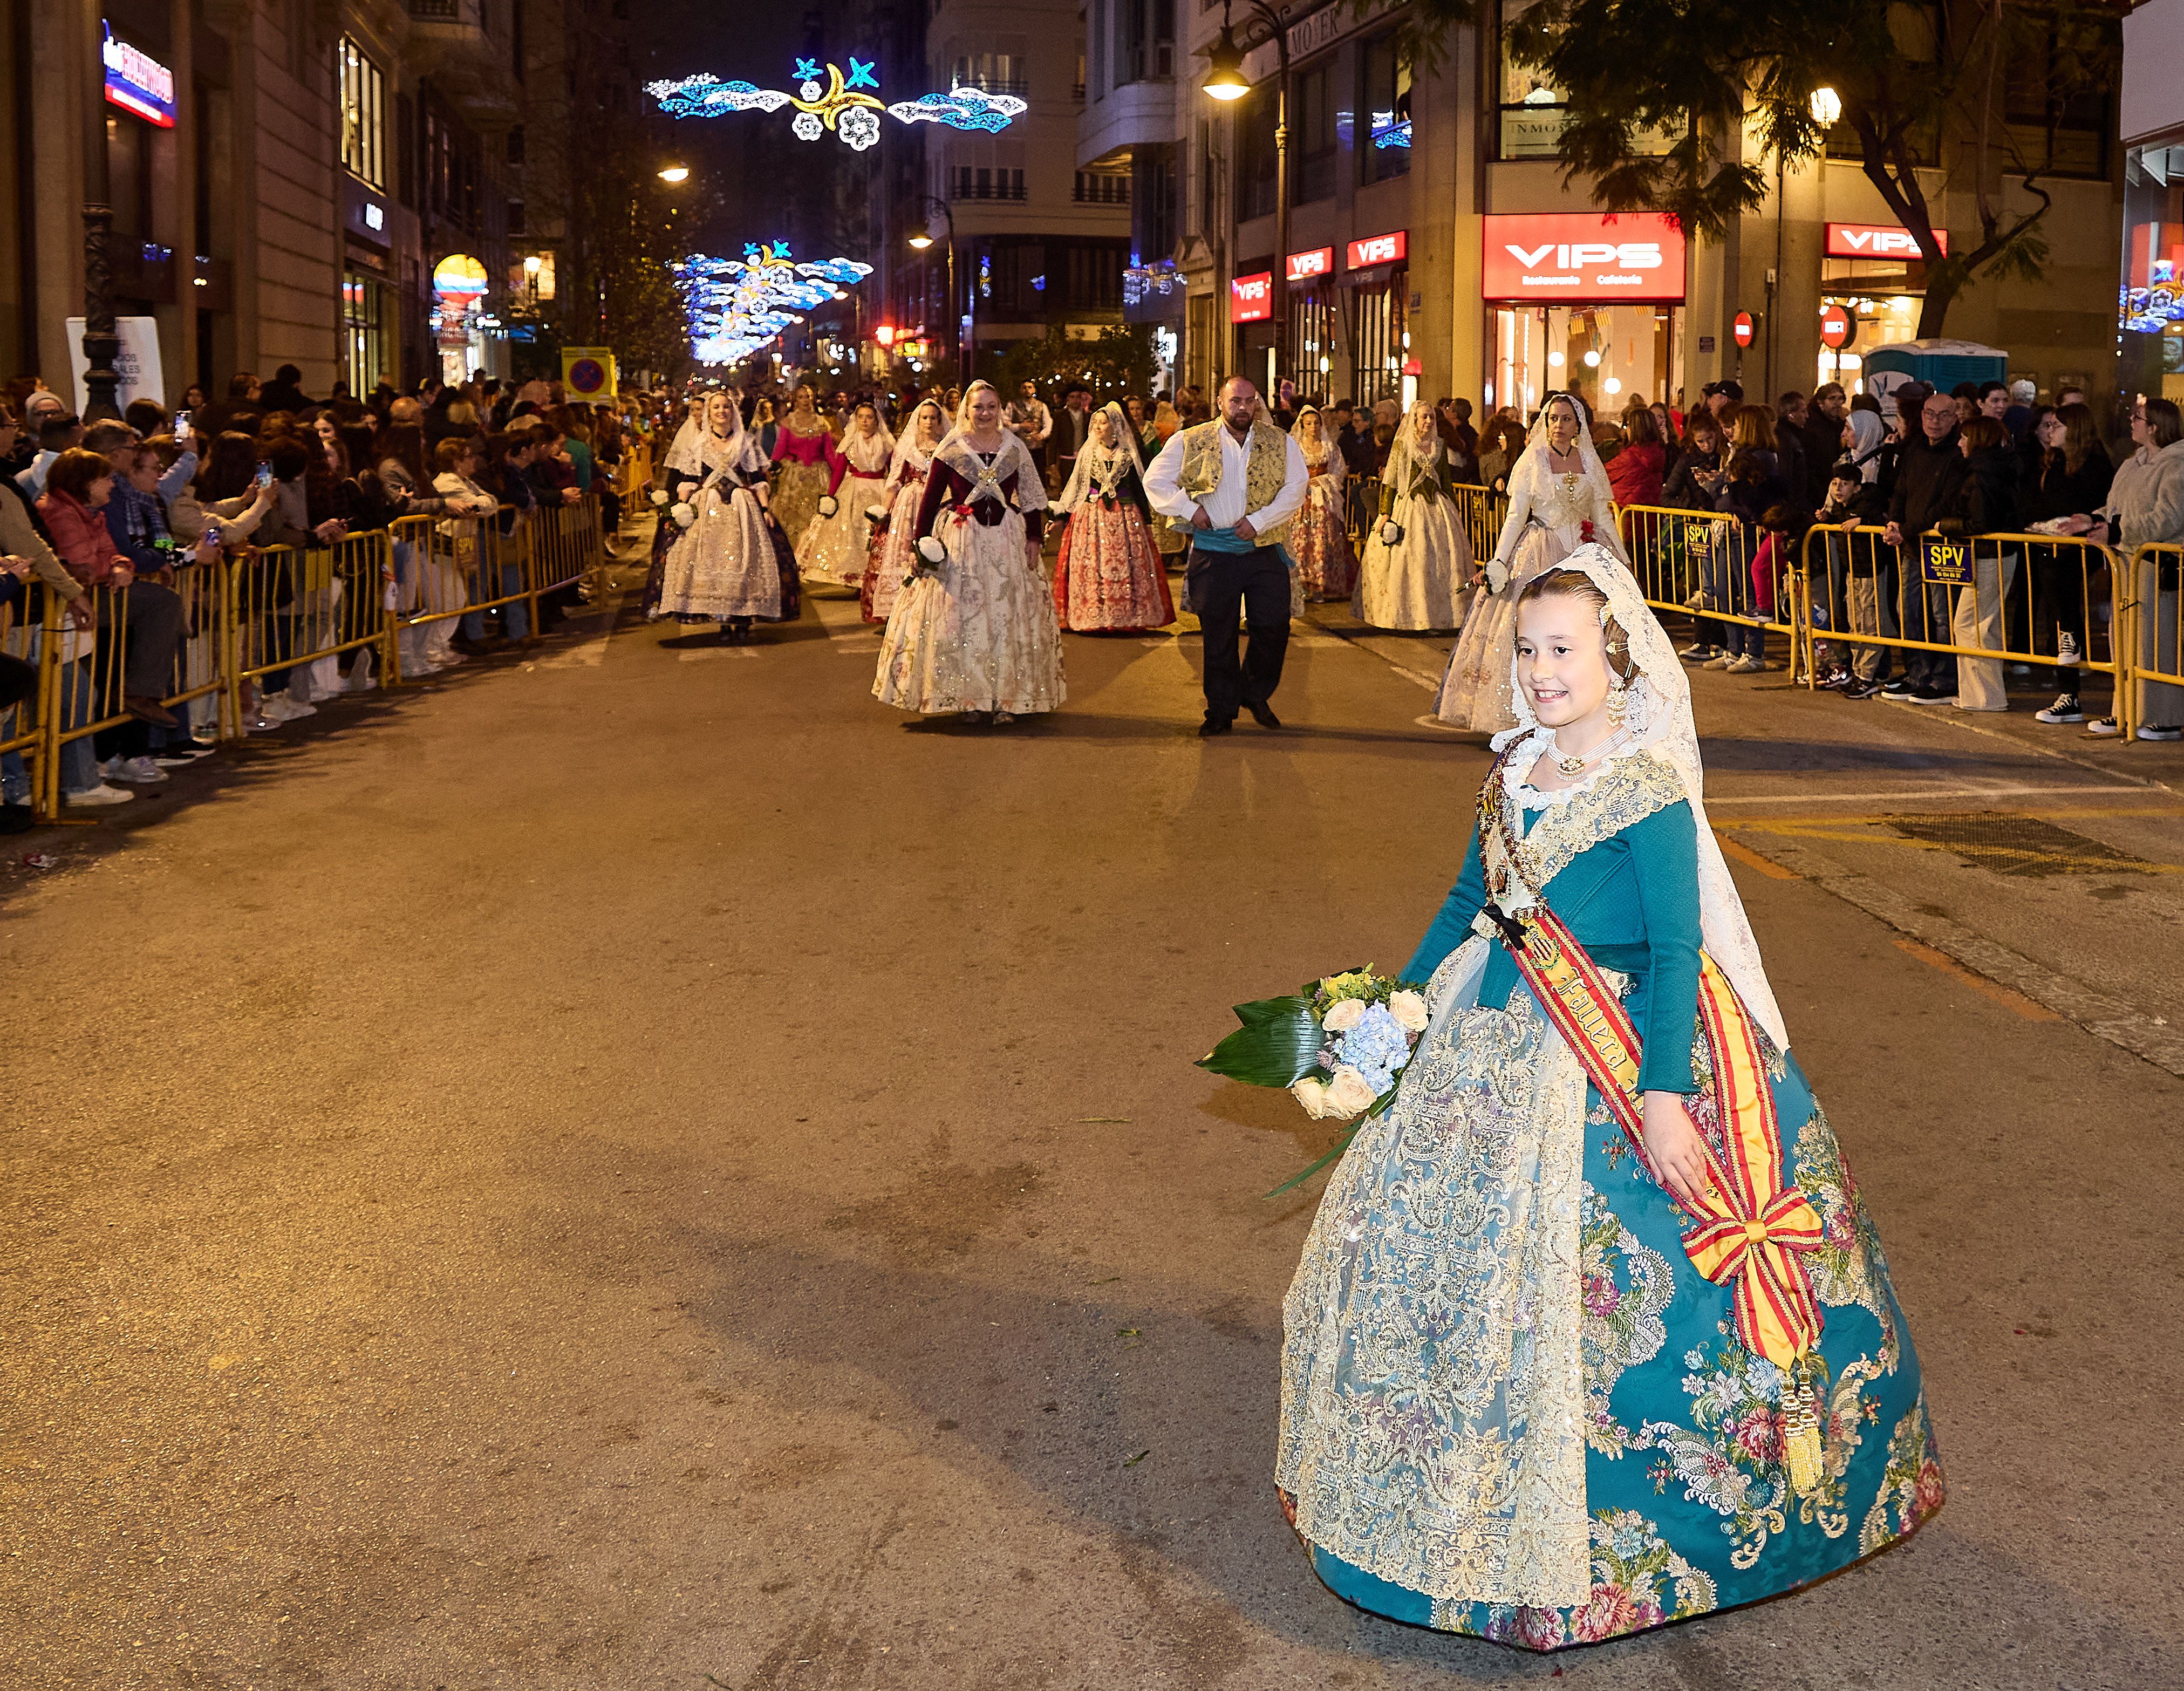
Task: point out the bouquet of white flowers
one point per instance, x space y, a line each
828 504
1340 1046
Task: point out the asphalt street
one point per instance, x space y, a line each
641 1166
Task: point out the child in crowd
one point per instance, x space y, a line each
1854 601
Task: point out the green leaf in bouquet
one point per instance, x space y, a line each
1277 1044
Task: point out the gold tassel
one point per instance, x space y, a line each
1801 1432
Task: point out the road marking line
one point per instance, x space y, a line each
1751 860
2105 1017
1979 983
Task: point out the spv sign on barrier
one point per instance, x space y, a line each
1945 563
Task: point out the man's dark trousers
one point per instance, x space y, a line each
1219 585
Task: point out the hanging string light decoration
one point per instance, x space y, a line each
847 103
738 306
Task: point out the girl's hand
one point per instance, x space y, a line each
1677 1152
18 567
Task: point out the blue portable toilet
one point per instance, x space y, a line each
1942 363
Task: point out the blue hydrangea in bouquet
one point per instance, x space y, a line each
1339 1044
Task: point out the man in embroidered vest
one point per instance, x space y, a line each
1232 485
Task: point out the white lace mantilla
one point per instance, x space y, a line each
1433 1383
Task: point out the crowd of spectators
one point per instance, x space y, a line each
118 519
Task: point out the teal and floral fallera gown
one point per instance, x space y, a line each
1512 1407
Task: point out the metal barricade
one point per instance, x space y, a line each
25 635
156 640
1482 511
566 546
290 606
450 567
2150 636
1987 600
1716 569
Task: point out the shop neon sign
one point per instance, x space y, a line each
137 82
846 103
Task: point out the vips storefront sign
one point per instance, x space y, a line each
1379 249
1305 266
137 82
1583 256
1251 297
1878 241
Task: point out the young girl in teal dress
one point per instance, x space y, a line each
1592 1331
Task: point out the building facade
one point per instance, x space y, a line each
338 187
1434 248
1038 240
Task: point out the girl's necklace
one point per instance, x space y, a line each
1571 767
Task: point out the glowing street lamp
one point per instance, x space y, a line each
920 241
1827 108
675 173
1225 67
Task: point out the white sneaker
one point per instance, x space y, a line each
2103 728
102 794
138 771
2154 731
1718 661
281 707
2066 650
259 725
361 680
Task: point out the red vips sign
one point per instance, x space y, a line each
1583 256
1878 241
1251 297
1304 266
1379 249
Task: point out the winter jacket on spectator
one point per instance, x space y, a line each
81 537
402 490
23 535
1987 501
138 526
1755 483
1822 439
2057 491
1927 474
2146 500
1795 475
1635 475
1683 490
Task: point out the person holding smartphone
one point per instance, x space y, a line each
1696 484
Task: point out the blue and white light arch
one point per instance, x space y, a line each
846 102
736 307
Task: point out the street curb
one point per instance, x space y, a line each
2105 1017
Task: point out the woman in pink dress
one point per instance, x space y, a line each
804 447
893 554
1319 535
1109 578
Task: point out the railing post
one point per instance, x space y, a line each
390 617
45 787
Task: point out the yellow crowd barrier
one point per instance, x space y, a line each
1987 600
2150 637
1708 564
212 628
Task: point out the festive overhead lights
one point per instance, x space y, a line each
840 103
736 306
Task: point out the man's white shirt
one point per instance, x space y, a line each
1224 505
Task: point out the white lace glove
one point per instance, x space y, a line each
1497 575
684 516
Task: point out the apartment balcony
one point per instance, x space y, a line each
473 67
1136 114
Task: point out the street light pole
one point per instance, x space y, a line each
1225 80
102 345
930 203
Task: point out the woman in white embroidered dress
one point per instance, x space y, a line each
974 632
1108 577
833 548
893 552
1558 500
1592 1331
1319 533
730 564
1417 565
